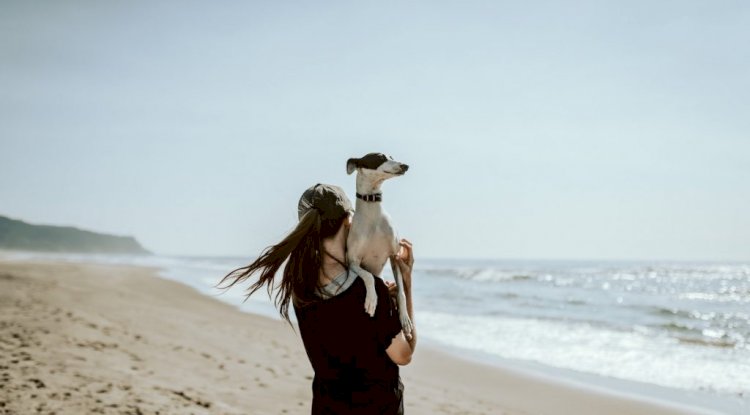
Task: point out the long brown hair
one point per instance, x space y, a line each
303 248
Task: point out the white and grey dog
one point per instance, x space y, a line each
372 239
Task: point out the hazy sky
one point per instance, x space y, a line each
566 130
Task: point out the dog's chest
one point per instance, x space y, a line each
374 261
374 245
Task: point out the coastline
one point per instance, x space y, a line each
122 339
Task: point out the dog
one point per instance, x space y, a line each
372 238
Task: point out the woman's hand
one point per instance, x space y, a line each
392 288
405 261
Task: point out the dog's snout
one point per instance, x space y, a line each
404 167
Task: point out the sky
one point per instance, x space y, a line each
533 130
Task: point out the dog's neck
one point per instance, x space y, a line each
367 187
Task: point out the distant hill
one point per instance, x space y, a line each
19 235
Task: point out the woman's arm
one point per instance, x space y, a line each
401 350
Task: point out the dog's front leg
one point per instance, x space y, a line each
371 297
403 312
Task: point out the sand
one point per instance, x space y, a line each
107 339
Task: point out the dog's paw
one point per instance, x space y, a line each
371 302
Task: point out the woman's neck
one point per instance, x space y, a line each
336 247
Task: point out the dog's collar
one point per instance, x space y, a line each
375 197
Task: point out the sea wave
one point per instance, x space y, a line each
634 355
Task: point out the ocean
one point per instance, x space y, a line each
678 325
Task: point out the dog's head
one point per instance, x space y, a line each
377 165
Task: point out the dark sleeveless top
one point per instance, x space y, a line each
346 347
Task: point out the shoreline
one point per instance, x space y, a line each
469 387
691 401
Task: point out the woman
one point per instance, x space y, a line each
355 357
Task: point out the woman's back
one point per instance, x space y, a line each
347 349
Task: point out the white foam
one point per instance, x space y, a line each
640 356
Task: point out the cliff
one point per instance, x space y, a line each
19 235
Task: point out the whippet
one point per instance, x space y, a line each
372 239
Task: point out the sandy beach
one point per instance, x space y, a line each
106 339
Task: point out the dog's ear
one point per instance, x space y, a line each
351 165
